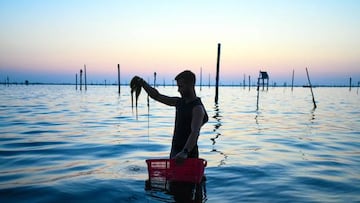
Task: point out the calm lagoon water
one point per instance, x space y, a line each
62 145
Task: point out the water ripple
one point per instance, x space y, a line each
60 145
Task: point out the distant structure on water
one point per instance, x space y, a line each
263 75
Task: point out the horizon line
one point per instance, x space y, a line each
173 85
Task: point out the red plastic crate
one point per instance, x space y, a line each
191 170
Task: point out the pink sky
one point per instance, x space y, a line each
50 41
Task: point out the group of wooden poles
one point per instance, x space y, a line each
216 80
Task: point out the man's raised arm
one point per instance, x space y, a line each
153 93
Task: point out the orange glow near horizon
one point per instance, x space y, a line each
170 37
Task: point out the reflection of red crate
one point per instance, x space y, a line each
191 170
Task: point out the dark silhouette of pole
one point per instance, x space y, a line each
76 81
249 82
118 67
209 80
258 91
81 72
244 81
292 80
85 77
8 81
217 74
154 79
350 84
312 93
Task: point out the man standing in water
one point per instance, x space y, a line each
190 115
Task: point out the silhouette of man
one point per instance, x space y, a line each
190 115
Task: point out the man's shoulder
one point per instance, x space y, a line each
198 102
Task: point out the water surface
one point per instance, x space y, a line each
59 144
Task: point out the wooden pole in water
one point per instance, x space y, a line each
292 80
85 77
244 81
76 81
350 84
312 93
81 79
154 79
209 80
249 82
258 91
217 74
118 67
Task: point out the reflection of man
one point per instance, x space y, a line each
187 192
190 115
183 191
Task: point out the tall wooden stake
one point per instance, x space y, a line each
118 67
244 81
81 71
312 93
350 84
76 81
154 79
209 80
217 73
249 82
258 91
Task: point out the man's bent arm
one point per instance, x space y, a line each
153 93
196 123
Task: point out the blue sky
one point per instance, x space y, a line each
49 41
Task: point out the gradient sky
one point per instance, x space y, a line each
50 41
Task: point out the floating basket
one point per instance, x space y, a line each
162 170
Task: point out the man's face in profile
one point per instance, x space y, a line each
184 88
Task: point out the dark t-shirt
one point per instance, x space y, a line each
182 128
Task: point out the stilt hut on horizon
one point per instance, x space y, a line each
263 75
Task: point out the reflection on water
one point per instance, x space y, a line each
216 130
172 191
61 145
312 115
217 124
